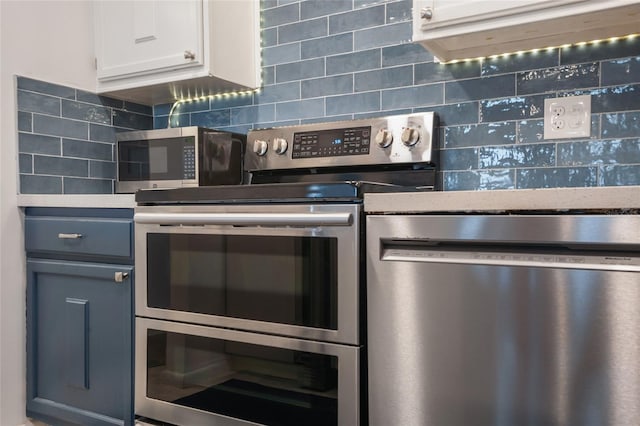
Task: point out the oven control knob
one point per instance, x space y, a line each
410 136
384 138
260 147
280 145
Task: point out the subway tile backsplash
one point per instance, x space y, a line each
349 59
66 137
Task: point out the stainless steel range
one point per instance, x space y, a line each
250 298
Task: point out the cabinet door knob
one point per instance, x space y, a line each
426 13
69 236
189 54
120 276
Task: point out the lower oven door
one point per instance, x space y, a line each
195 375
290 270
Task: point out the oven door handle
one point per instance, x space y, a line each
246 219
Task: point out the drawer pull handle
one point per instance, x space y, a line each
69 236
120 276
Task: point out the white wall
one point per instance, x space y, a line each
50 41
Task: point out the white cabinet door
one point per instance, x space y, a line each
451 12
146 36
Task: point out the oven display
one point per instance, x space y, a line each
332 143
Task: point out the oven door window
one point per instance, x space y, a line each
280 279
241 380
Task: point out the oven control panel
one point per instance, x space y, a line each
377 141
331 143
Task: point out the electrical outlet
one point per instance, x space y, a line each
568 117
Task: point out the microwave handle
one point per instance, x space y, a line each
245 219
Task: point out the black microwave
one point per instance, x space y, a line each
177 158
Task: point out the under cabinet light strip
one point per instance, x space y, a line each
550 48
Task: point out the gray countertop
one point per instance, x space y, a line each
555 199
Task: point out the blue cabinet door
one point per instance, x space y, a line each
79 342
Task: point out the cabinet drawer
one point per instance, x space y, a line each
82 236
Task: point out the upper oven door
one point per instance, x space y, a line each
282 269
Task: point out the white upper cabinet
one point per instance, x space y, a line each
155 51
460 29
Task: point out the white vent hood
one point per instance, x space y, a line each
462 29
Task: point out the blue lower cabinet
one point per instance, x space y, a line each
79 342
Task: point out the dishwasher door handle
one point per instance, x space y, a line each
246 219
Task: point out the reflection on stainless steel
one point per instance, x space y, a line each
457 337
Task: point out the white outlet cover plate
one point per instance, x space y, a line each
567 117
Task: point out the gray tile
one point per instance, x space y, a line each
454 114
35 102
86 112
267 4
160 122
327 119
345 104
278 93
480 88
92 98
299 109
47 88
606 50
300 70
212 119
242 129
621 125
480 135
302 30
326 46
351 62
382 113
198 105
269 37
183 120
620 71
102 133
25 121
616 175
25 163
102 169
399 11
618 151
39 144
314 8
458 159
614 99
224 102
537 155
55 126
357 19
162 109
383 78
87 186
561 177
558 78
139 108
382 36
327 86
58 166
32 184
416 96
280 15
478 180
530 131
253 114
268 75
518 108
521 62
431 72
357 4
281 54
86 150
132 120
407 53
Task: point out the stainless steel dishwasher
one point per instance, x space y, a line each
504 320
